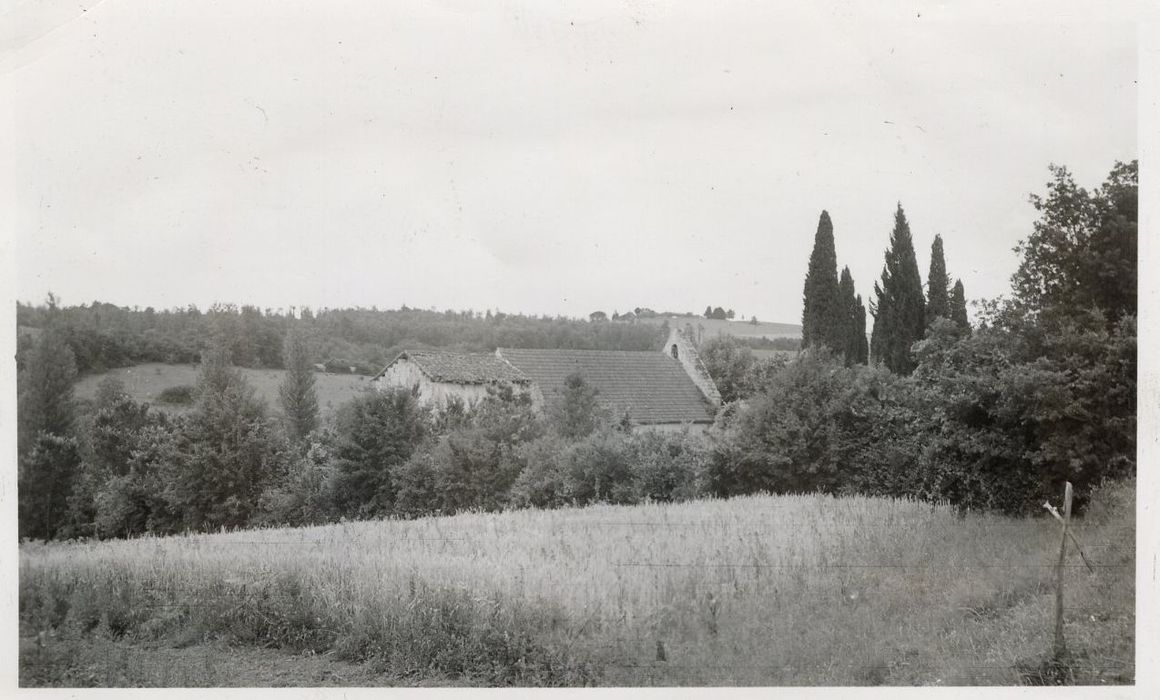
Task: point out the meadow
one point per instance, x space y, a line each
145 382
757 590
740 328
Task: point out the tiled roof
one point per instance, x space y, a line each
651 386
462 368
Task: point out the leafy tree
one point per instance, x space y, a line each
598 316
821 308
937 284
45 390
708 312
375 431
108 438
820 426
666 467
1025 403
899 309
1082 252
302 495
598 467
959 308
135 502
45 477
228 456
731 365
541 481
48 452
476 464
578 412
296 394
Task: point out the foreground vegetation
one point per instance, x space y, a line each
757 590
995 417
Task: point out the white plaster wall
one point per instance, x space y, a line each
693 428
405 374
690 360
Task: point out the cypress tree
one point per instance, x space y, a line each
900 313
851 306
937 284
821 309
296 394
863 348
958 306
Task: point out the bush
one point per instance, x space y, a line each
304 494
414 479
666 467
540 483
599 468
181 395
1026 403
820 426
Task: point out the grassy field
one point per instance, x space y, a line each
145 382
740 329
788 590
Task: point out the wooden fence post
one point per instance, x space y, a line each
1059 650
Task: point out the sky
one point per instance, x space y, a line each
547 158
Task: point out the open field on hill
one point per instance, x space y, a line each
787 590
145 382
739 328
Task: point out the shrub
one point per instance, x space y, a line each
304 494
540 483
414 480
598 468
666 467
180 395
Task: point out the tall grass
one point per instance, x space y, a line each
756 590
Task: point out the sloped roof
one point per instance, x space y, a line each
651 386
461 368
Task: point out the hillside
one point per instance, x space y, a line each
740 329
145 382
760 590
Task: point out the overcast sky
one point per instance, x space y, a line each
543 157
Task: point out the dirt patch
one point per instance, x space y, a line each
89 663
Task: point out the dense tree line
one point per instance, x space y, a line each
117 468
103 336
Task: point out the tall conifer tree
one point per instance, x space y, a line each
296 394
851 326
899 312
863 351
958 305
937 284
821 309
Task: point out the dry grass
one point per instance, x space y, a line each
145 382
797 590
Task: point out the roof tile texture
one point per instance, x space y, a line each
464 368
651 386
